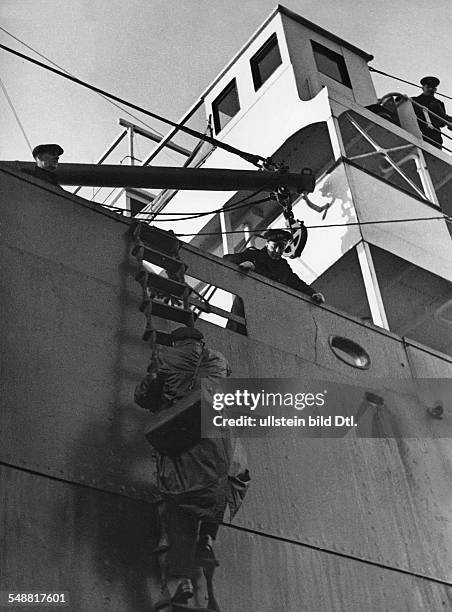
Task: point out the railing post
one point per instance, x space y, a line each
424 175
131 145
372 286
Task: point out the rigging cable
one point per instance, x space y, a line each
22 129
444 217
249 530
329 225
391 76
67 72
106 197
337 553
235 206
123 110
256 160
242 203
194 215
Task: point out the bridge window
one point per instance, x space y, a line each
331 64
225 106
265 62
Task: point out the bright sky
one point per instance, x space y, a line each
161 54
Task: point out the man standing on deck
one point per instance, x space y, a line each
429 124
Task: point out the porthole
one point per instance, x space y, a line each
349 352
375 401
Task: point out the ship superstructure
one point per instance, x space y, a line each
303 97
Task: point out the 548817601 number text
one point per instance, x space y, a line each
32 598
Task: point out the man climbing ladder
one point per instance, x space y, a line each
197 484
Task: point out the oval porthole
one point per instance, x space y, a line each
350 352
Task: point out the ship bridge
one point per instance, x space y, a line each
304 97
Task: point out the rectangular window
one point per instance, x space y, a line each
330 63
137 199
265 61
225 106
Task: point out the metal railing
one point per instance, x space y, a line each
399 98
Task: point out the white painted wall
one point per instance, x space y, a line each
427 244
261 131
325 245
271 115
310 80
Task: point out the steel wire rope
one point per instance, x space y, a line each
107 196
124 110
445 218
403 80
11 105
194 215
330 225
256 160
67 72
249 530
236 206
337 553
98 190
240 204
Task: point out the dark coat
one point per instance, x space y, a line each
203 480
436 106
274 269
43 175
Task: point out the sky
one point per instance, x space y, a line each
161 55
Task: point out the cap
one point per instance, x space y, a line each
430 80
54 149
184 333
277 235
